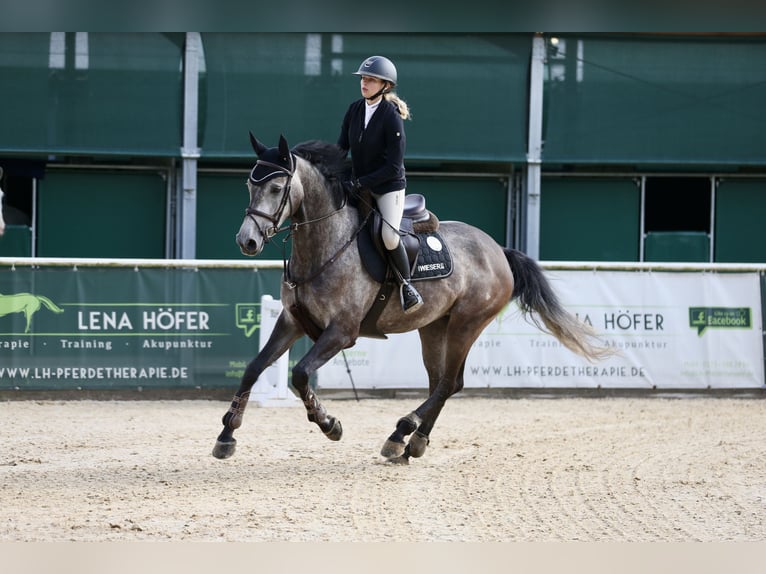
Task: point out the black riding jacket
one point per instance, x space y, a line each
377 151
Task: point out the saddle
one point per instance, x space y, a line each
426 250
370 241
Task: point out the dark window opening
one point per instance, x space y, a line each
18 185
17 203
677 204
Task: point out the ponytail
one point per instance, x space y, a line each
401 105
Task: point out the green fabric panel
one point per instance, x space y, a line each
590 219
664 100
16 242
24 98
479 202
101 214
740 231
125 97
467 92
682 246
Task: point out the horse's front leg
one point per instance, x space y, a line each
285 333
333 340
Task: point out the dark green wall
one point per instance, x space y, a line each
740 221
590 219
482 202
656 100
16 242
633 99
467 92
127 100
87 213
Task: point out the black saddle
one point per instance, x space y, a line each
427 252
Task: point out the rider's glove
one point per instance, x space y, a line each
354 185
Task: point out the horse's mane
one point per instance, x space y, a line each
330 160
328 157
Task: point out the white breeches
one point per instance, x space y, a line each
391 206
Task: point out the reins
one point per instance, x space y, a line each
292 283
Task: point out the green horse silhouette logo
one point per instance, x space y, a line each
26 303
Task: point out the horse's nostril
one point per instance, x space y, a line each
251 244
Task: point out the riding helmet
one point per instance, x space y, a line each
378 67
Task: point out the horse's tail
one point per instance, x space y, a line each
49 304
536 296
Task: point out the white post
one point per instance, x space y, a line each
271 389
534 146
187 229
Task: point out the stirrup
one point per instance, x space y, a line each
412 301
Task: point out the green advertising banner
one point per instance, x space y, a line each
129 327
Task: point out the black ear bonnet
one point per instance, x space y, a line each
272 162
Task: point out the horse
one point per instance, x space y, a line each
326 292
2 221
26 303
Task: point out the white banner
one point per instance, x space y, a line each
672 330
271 388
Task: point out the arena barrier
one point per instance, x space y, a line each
675 326
172 324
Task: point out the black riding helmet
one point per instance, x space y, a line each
378 67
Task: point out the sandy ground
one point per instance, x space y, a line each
497 469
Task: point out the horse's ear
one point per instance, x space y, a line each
258 147
284 149
284 152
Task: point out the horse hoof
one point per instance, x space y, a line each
418 444
399 460
392 449
224 449
336 430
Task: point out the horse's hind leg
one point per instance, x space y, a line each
445 348
433 342
416 447
285 333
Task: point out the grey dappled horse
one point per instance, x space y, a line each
325 286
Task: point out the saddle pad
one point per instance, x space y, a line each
434 259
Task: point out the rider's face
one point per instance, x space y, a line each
371 86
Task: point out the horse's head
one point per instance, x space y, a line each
272 197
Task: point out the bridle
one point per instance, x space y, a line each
274 218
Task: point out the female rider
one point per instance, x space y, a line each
373 130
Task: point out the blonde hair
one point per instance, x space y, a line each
404 109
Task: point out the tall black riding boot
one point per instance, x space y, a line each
410 298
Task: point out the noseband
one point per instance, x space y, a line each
274 218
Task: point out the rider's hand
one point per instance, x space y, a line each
354 185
